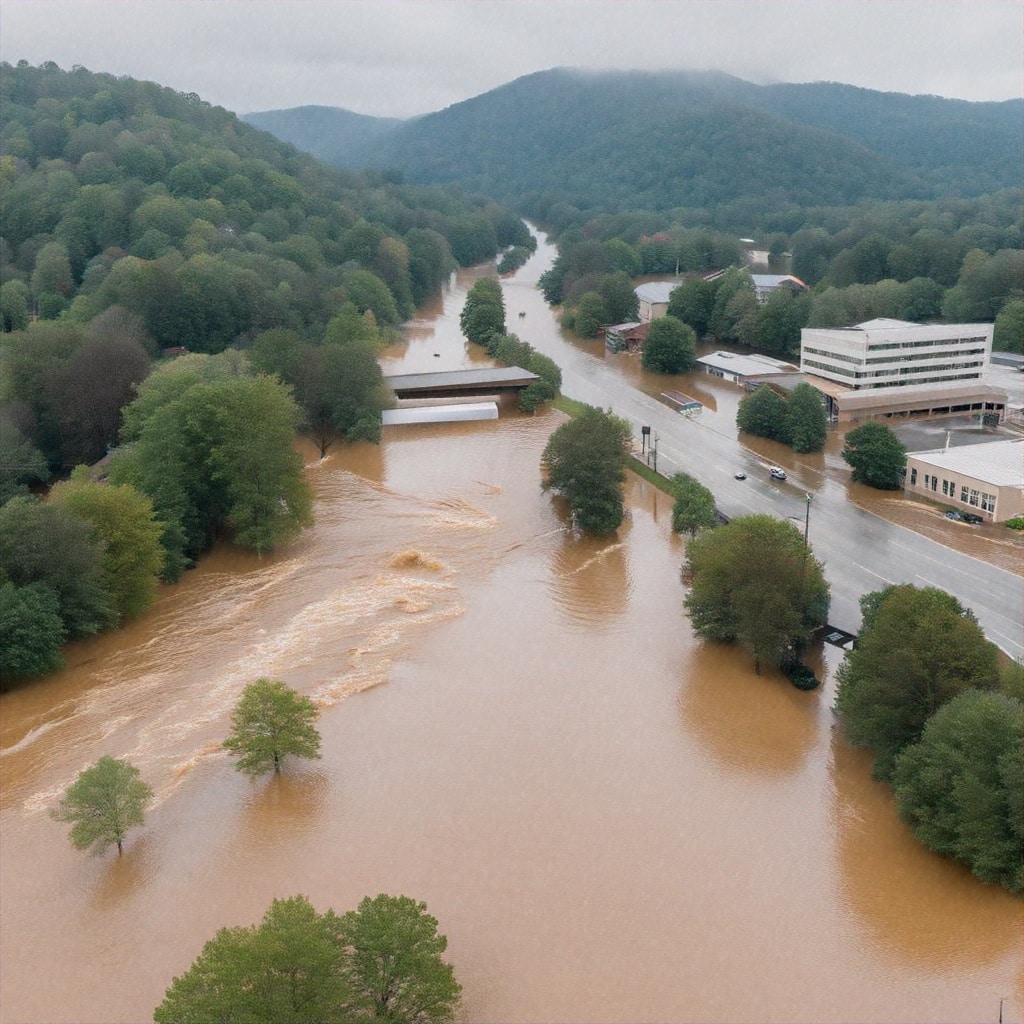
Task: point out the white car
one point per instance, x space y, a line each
776 472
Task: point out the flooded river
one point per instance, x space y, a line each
610 821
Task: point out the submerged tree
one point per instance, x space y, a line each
288 968
694 507
917 649
756 582
394 967
380 964
585 461
806 419
669 347
960 786
877 456
103 803
269 722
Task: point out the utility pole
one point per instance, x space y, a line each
655 451
807 522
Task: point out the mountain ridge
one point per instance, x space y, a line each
690 139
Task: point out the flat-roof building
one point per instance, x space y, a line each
740 368
886 367
652 299
887 353
765 284
987 478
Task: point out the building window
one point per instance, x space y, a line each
973 500
935 483
913 475
963 495
949 488
988 502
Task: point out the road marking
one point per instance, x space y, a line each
884 579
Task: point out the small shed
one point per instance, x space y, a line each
628 337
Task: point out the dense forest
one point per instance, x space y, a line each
719 151
883 204
181 293
960 260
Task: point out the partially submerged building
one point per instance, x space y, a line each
765 284
887 367
652 299
740 369
986 478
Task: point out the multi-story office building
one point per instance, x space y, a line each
937 367
894 353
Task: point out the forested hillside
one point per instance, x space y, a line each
723 150
329 133
138 222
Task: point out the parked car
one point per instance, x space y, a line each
776 472
740 475
964 517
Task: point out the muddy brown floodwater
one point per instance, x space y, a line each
610 821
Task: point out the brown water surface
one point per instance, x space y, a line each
610 821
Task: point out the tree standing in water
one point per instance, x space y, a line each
269 722
103 803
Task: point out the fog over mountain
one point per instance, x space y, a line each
661 140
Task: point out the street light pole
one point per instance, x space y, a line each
807 520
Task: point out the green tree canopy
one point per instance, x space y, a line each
755 582
394 967
14 296
103 803
779 321
585 461
124 522
49 545
379 964
693 302
32 630
806 419
1008 333
21 463
271 721
917 649
763 413
483 314
670 346
590 315
211 445
877 456
288 969
694 507
961 786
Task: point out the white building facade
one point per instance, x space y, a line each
652 299
987 479
887 353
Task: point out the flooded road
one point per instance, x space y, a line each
610 821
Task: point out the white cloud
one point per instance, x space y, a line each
406 57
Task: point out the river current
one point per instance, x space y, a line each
610 821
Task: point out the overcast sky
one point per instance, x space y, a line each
398 58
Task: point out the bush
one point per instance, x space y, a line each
1016 523
799 674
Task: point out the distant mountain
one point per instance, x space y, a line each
329 133
662 140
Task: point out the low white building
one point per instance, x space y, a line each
987 478
765 284
741 368
652 299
